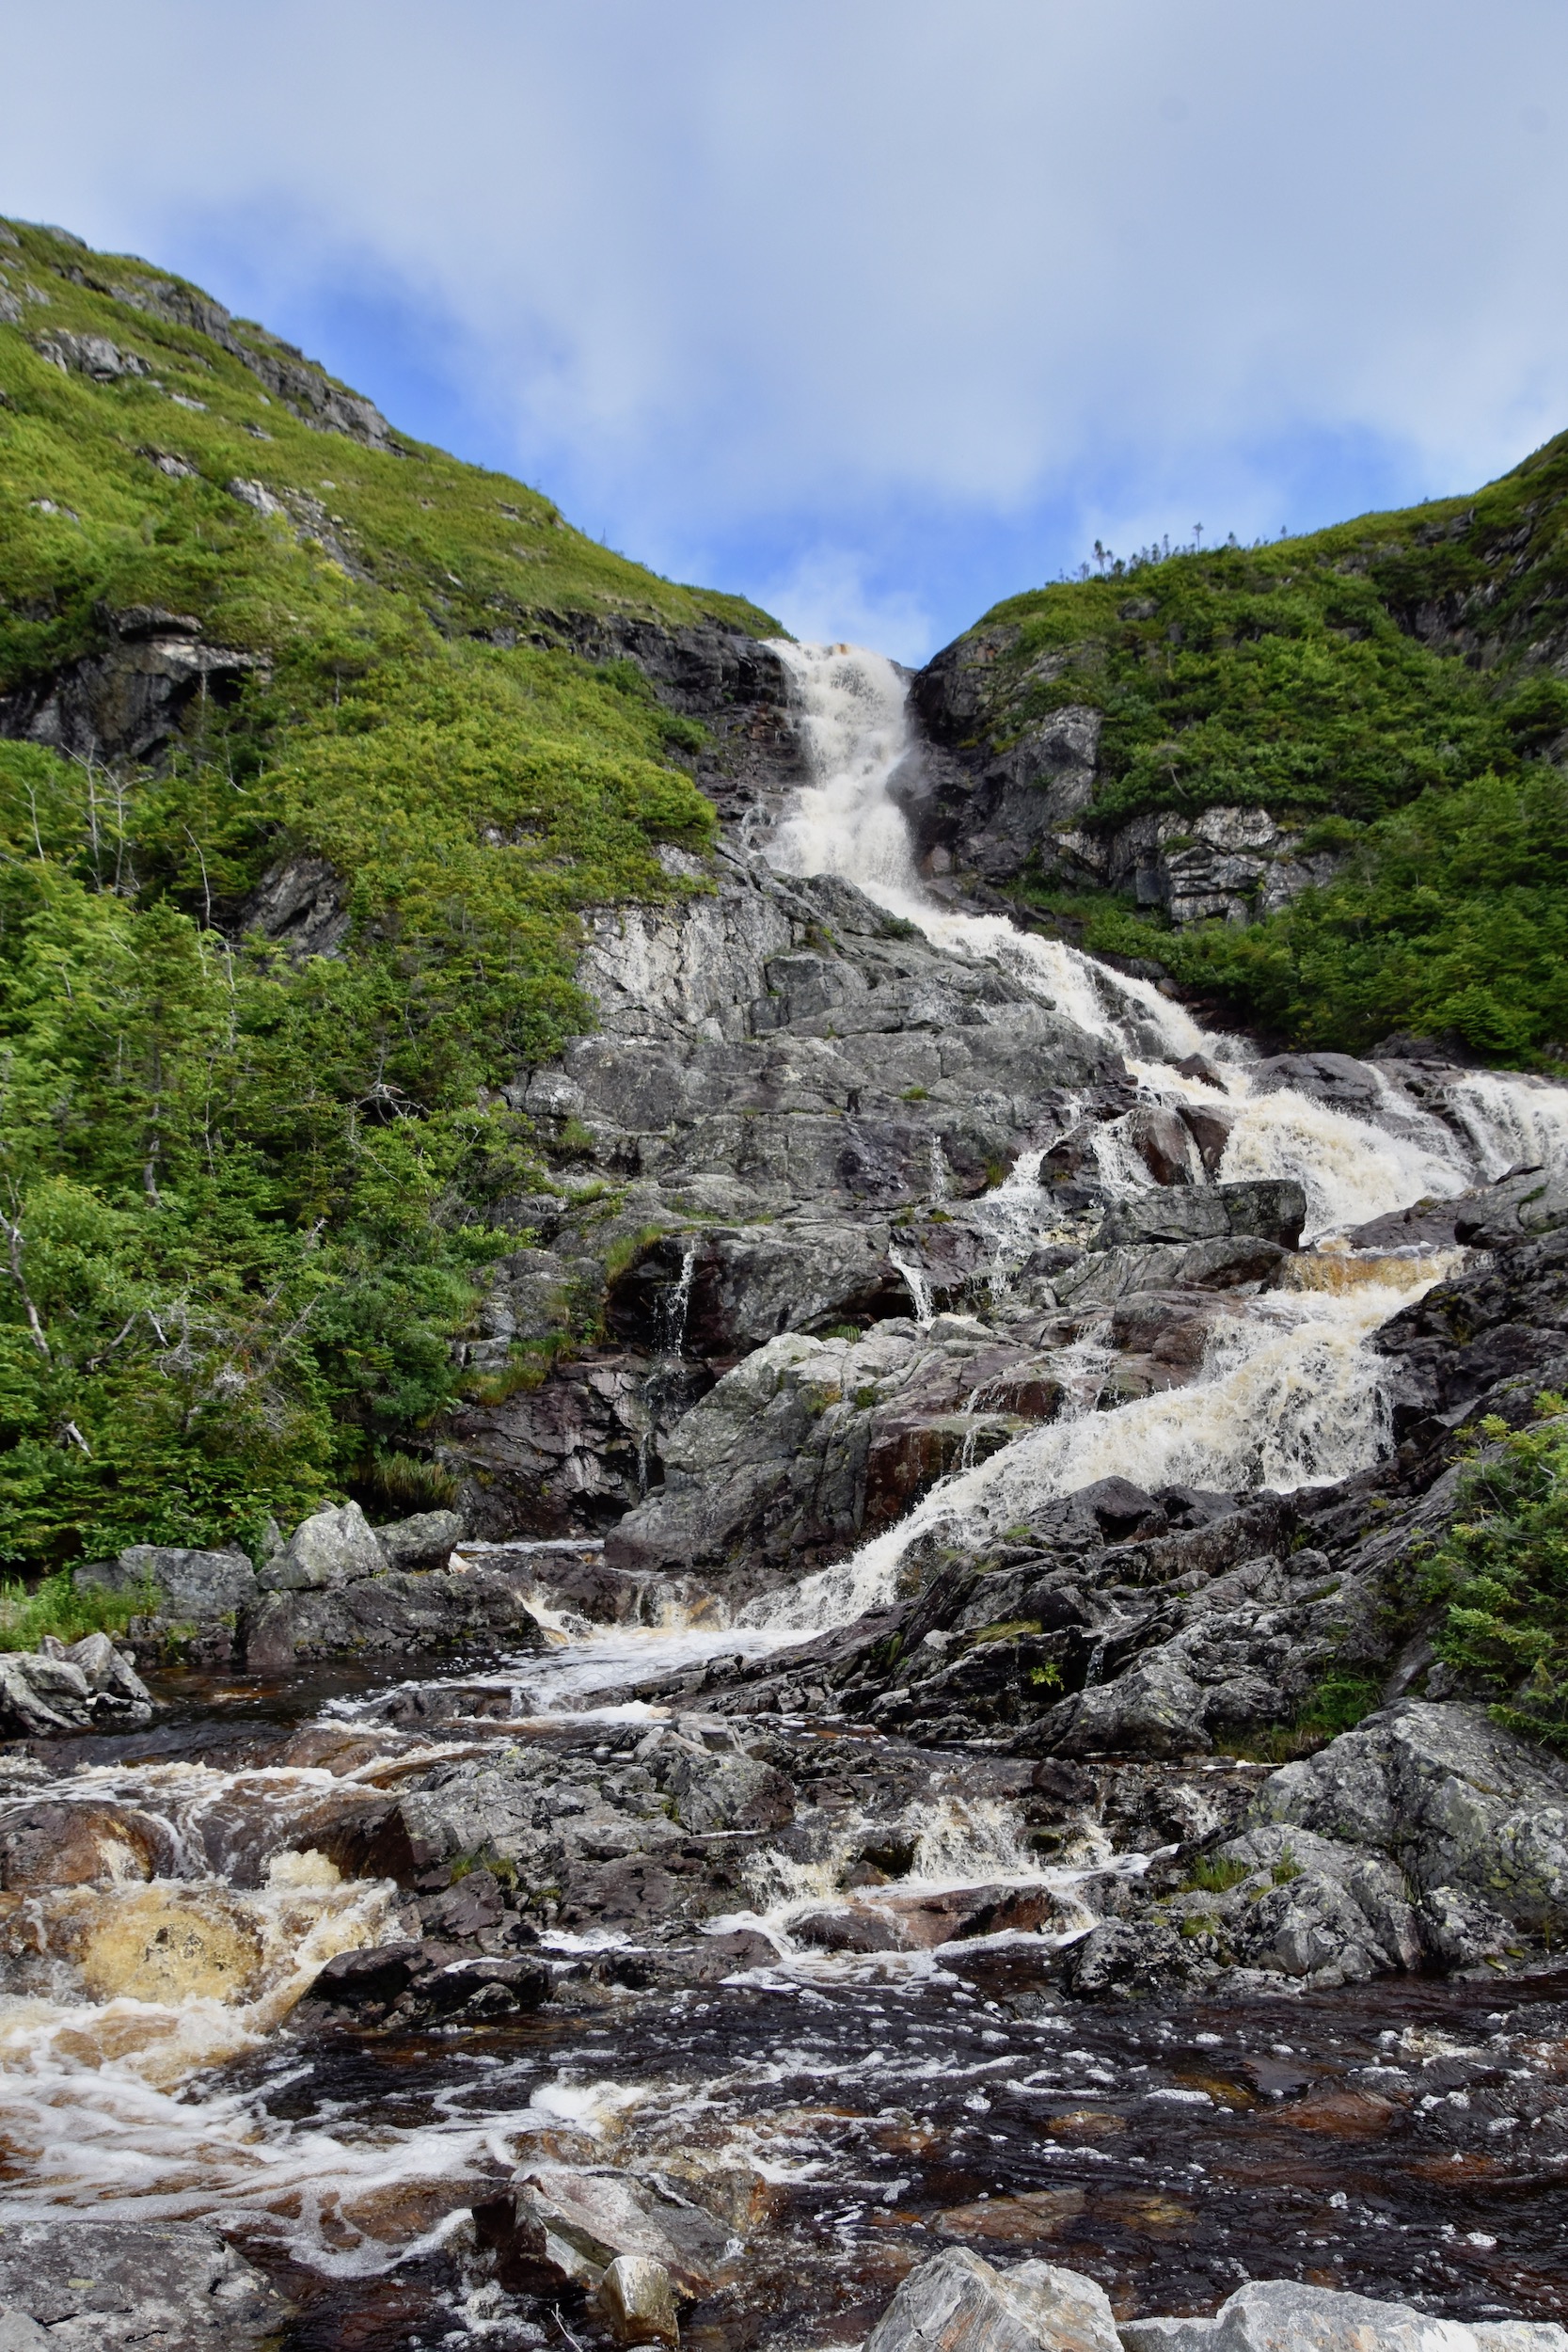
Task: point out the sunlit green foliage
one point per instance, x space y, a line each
1394 688
1448 918
246 1198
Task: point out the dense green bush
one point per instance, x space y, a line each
1502 1573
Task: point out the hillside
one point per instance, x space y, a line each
276 678
1381 710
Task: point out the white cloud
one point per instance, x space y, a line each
712 271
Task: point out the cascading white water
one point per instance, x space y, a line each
1287 1396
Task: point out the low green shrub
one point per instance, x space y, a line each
1502 1573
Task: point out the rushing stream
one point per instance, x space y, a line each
861 2107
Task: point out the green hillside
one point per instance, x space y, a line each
1397 687
244 1192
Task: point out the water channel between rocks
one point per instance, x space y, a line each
851 2110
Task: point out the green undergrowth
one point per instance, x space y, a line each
1448 918
248 1196
56 1606
1501 1573
1393 688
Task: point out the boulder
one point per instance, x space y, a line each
81 1843
332 1548
636 2299
386 1615
1459 1803
424 1541
1526 1204
422 1983
1285 2315
109 2286
960 2303
191 1586
563 2226
85 1686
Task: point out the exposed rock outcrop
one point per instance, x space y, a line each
115 2286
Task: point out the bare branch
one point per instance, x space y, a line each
11 1228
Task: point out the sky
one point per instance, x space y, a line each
875 312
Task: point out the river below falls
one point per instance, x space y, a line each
867 2108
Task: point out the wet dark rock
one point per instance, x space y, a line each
390 1615
1338 1080
418 1983
80 1843
1492 1337
117 2286
1135 1960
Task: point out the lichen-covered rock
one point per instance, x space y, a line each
119 2286
334 1547
959 2303
1458 1801
1287 2315
424 1541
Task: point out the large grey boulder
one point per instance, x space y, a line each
1283 2316
1458 1801
1312 1907
960 2303
424 1541
192 1586
332 1548
85 1686
98 2286
1524 1204
388 1615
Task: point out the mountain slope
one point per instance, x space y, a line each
1380 710
275 679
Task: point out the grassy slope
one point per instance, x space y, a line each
1398 685
245 1199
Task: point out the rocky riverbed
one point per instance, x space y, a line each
855 1773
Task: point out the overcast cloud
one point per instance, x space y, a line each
875 312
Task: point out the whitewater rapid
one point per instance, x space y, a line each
1289 1396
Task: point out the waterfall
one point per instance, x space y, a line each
1289 1394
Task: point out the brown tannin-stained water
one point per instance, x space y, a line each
849 2113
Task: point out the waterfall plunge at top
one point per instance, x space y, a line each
1287 1397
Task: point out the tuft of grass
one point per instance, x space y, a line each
1214 1874
56 1606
